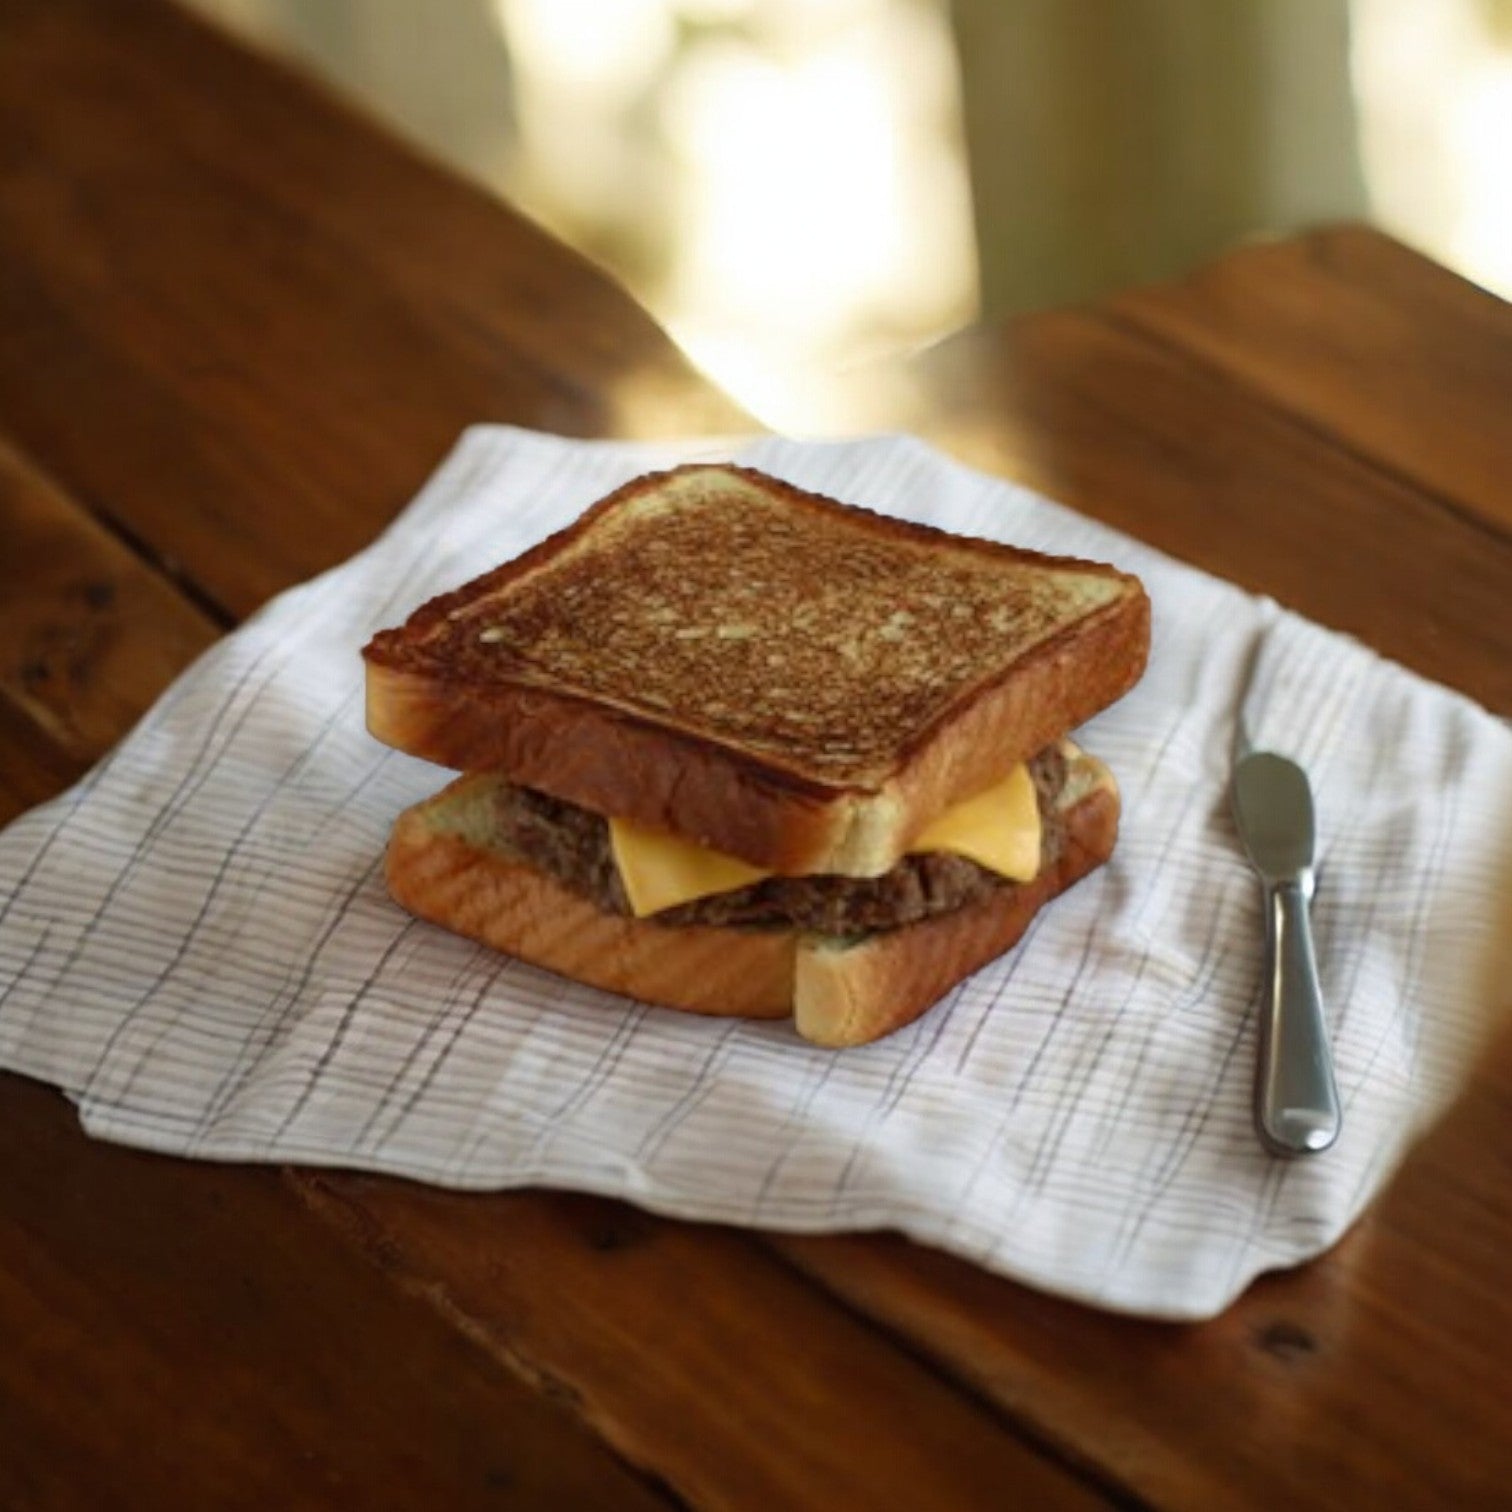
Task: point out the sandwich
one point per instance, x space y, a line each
731 747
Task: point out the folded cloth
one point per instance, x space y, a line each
196 945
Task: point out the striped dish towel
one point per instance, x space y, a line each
195 943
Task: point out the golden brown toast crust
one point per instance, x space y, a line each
838 996
792 680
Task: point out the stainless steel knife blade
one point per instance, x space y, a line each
1274 810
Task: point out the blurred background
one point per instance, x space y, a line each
796 188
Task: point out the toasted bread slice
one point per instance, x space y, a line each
446 863
788 679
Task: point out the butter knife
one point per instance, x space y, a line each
1296 1099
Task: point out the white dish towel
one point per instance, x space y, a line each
195 943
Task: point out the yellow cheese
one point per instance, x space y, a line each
998 829
661 870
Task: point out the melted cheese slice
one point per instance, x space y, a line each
661 870
998 829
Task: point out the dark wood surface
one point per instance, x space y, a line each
238 327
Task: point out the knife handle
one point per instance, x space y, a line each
1296 1100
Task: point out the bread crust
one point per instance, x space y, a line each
747 803
837 995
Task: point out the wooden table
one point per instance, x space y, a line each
237 329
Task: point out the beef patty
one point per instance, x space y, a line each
572 845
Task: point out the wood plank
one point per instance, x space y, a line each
1378 1376
693 1353
89 635
1353 333
246 325
32 767
1136 434
173 1339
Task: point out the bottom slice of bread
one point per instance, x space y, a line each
839 992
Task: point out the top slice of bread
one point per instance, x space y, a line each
789 679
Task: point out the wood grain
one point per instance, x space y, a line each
694 1353
1366 343
173 1338
89 635
32 767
